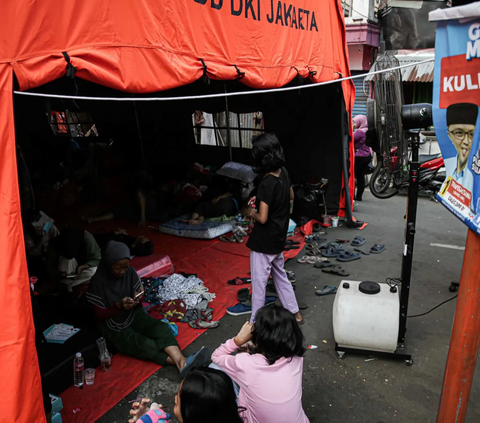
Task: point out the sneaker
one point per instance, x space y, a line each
239 309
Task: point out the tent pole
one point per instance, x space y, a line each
139 132
465 338
227 111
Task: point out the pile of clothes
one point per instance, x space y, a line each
180 298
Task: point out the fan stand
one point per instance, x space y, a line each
407 261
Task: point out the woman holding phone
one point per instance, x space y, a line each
115 292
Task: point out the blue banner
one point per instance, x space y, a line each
456 117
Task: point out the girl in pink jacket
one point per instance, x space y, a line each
270 375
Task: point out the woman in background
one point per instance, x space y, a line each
363 154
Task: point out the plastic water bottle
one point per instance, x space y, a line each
78 371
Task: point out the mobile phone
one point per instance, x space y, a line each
138 295
71 276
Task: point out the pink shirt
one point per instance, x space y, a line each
269 393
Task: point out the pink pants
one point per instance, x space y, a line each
261 266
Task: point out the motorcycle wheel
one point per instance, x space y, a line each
380 183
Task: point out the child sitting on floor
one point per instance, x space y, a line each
270 375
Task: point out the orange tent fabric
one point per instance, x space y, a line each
138 46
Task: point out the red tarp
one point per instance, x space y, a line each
138 46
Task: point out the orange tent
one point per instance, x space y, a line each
140 47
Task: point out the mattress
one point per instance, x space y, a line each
154 265
207 230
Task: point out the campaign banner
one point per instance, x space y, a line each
456 117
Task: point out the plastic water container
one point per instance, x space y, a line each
366 316
78 371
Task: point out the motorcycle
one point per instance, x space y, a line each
389 178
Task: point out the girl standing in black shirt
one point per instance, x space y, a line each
275 202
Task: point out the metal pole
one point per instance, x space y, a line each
227 111
465 338
411 220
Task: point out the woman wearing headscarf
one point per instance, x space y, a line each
363 154
113 293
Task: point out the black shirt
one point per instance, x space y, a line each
270 237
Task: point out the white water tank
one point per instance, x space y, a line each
366 316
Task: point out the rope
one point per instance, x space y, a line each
219 95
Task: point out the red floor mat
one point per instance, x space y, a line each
215 263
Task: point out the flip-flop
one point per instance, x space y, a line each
204 324
336 270
315 259
326 290
348 256
239 281
238 238
366 253
358 241
342 241
320 265
314 252
332 251
303 260
311 245
197 359
378 248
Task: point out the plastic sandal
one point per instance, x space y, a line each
323 265
366 253
332 252
204 324
378 248
303 260
239 281
224 238
348 256
336 270
326 290
242 295
358 241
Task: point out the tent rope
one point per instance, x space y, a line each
225 94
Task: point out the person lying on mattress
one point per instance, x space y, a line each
115 293
139 246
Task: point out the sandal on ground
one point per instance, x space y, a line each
348 256
378 248
300 322
315 259
197 359
323 265
358 241
366 253
311 245
238 238
332 251
239 281
342 241
326 290
303 260
336 270
314 252
204 324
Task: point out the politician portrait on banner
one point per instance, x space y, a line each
456 116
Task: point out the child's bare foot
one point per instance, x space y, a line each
139 409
